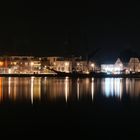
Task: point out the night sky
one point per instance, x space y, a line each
70 28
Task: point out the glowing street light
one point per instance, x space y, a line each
32 63
9 70
66 63
92 65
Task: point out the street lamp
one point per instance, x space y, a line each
92 65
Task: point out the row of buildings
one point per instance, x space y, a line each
132 66
43 65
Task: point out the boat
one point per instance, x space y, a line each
95 75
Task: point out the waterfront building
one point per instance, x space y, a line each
134 65
84 66
107 68
81 66
44 65
51 60
116 68
35 66
63 66
20 64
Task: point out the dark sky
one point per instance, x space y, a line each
58 28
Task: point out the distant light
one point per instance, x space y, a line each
66 63
121 65
92 65
9 70
87 72
32 63
1 63
14 63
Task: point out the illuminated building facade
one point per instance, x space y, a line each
70 64
19 64
134 65
44 65
85 67
116 68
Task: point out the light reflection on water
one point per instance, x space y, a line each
112 87
51 89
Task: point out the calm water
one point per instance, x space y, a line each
70 107
66 89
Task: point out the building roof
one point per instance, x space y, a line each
127 54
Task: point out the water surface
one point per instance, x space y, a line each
66 89
72 107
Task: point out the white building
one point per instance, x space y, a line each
134 65
107 68
116 68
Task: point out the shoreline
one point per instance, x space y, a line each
74 75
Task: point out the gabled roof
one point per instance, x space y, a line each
118 61
127 54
